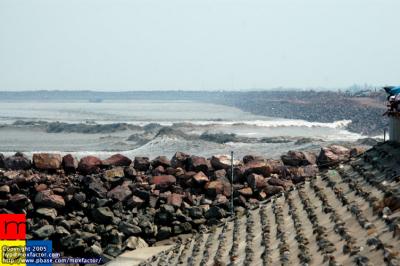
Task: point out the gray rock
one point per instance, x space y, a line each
103 215
44 231
134 242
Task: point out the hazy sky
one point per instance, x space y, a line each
198 44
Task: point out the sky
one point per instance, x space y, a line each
119 45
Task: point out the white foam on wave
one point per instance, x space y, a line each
276 123
271 122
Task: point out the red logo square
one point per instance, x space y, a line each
12 226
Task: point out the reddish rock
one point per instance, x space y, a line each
256 181
246 192
333 155
46 198
276 166
163 181
222 162
70 163
299 158
47 161
135 201
219 186
258 167
198 164
159 170
299 174
142 163
175 200
249 158
89 165
200 178
279 182
117 160
120 193
161 161
180 159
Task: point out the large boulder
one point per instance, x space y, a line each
258 167
47 198
134 242
47 161
197 164
89 165
17 162
103 215
299 158
332 155
120 193
141 163
222 162
117 160
280 182
219 186
256 181
200 178
300 174
161 161
70 163
249 158
163 181
180 159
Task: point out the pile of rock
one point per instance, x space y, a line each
95 207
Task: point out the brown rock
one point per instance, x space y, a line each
198 164
117 160
332 155
200 178
163 181
219 186
258 167
222 162
256 181
161 161
89 165
249 158
246 192
279 182
159 170
272 190
142 163
47 161
135 201
175 200
355 151
299 158
70 163
46 198
120 193
179 160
